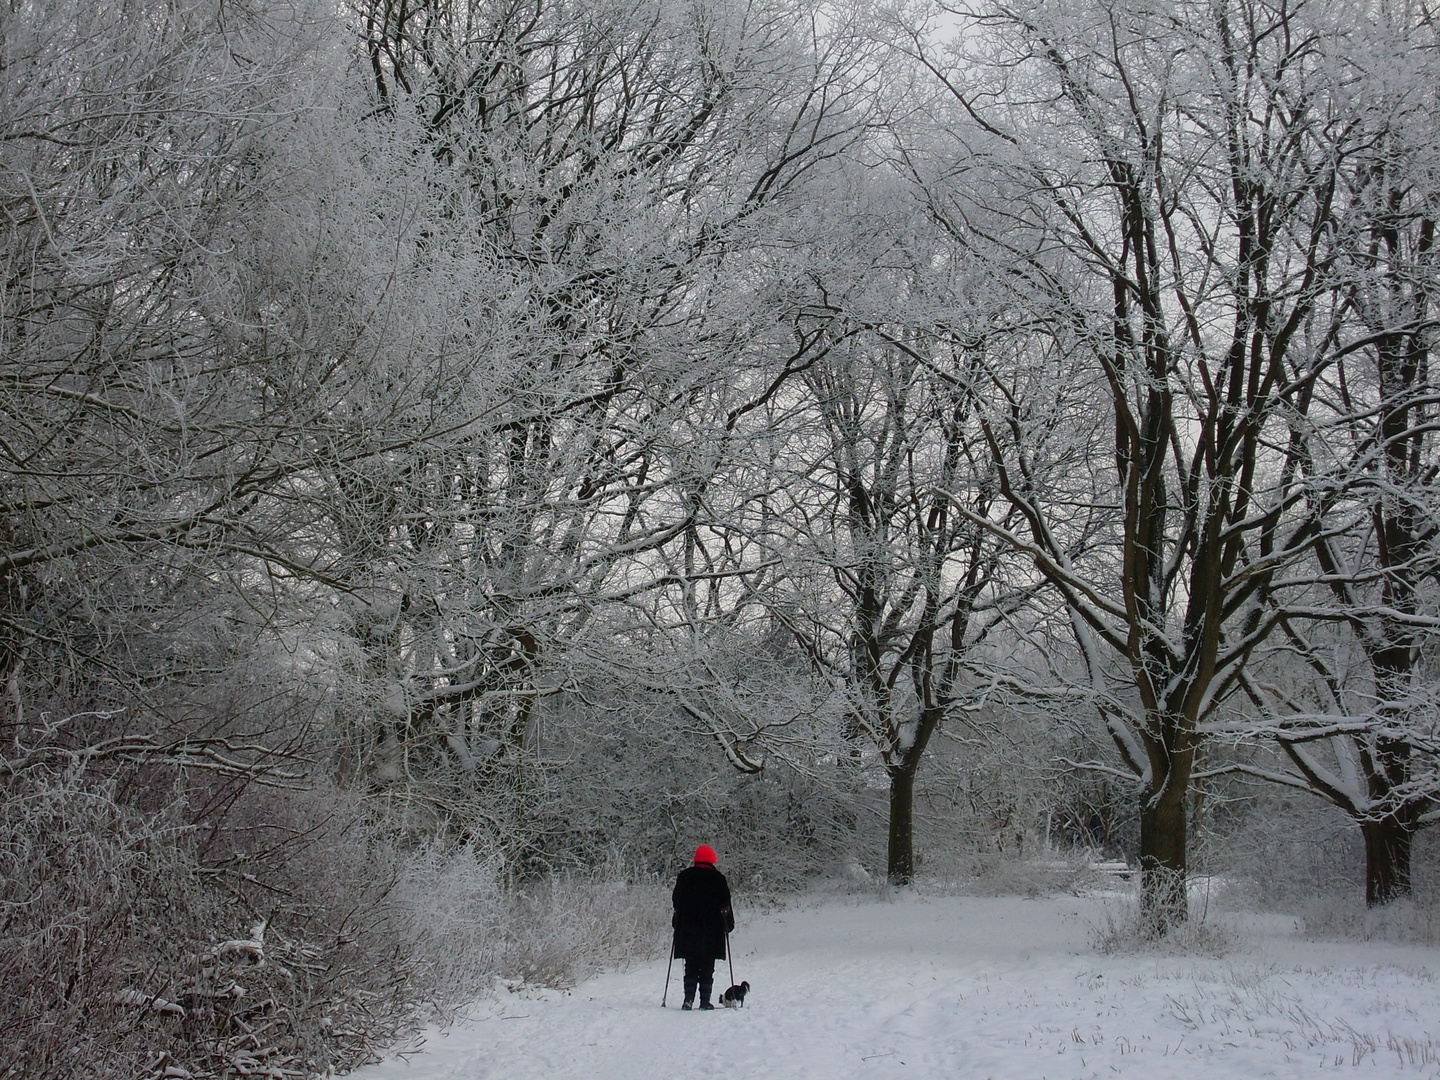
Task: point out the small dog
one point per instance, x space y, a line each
734 998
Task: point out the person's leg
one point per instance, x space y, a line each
692 979
705 976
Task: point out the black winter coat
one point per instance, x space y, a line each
702 913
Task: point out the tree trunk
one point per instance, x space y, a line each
901 855
1163 902
1387 860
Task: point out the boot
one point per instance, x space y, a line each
705 989
689 1002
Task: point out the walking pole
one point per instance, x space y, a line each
730 956
668 965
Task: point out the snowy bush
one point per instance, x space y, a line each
1010 876
465 927
96 903
135 941
289 933
1345 916
627 779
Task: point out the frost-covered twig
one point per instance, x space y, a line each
148 1001
253 946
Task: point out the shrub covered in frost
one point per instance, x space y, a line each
263 931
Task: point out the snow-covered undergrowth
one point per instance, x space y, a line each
969 987
468 929
290 936
1122 926
1346 917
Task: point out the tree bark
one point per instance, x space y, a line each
1163 902
900 861
1388 844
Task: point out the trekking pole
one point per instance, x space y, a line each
668 965
730 956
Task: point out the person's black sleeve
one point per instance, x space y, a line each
729 910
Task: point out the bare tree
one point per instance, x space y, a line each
1161 203
916 576
1361 730
877 582
625 163
135 149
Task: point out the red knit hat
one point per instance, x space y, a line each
705 854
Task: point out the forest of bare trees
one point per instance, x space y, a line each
449 447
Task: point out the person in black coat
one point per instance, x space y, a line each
702 919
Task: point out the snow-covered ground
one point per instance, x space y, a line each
968 987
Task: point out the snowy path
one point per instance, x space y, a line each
968 987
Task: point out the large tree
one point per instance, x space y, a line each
627 164
163 386
1158 188
1359 725
878 583
914 577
